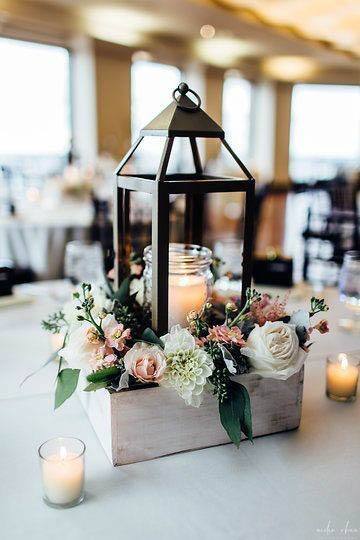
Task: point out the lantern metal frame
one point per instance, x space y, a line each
182 118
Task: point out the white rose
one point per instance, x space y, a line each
273 350
79 348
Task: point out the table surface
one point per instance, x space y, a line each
289 486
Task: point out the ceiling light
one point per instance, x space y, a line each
207 31
145 56
119 24
223 51
289 68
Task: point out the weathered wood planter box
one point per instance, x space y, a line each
148 423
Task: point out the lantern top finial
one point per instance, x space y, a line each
175 120
183 88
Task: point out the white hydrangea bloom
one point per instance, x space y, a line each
188 365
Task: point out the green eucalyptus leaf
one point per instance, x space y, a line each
103 375
150 337
67 381
92 387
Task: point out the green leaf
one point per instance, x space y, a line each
235 413
103 375
230 418
246 418
92 387
67 380
123 292
150 337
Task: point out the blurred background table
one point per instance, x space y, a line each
37 239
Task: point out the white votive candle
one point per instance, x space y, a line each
341 378
62 468
186 293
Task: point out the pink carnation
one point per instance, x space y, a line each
267 309
224 334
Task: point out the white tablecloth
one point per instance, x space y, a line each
287 486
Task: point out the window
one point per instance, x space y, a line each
35 131
151 87
325 131
236 114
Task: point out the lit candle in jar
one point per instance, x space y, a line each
186 293
62 468
341 378
190 280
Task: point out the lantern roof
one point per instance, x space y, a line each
183 118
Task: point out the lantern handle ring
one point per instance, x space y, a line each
183 89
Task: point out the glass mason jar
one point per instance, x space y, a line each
190 279
349 289
62 471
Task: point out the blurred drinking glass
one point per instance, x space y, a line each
349 288
84 262
230 251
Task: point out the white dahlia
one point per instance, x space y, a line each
188 365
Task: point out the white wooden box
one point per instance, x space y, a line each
147 423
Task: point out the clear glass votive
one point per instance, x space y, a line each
62 463
349 288
342 374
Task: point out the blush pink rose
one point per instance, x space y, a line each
146 363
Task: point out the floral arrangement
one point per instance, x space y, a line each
107 334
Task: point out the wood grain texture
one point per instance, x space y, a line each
154 422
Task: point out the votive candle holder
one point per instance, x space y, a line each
342 374
62 463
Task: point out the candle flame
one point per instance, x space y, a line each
63 452
343 361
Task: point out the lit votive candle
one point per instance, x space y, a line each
186 293
190 280
62 470
342 375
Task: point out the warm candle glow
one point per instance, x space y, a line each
343 361
186 293
341 379
62 467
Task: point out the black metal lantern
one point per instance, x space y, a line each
182 118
